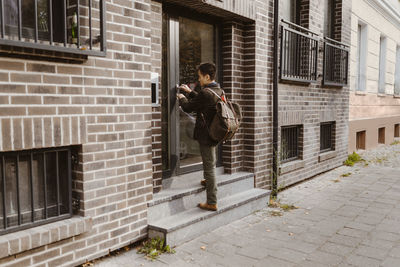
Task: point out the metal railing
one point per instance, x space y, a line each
47 25
290 136
36 188
336 63
299 53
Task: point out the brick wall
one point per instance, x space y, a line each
156 56
310 104
102 106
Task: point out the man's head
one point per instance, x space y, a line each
206 72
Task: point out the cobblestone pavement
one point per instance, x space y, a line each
347 217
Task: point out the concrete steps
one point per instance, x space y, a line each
174 215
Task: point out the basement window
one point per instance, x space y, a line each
360 140
290 143
381 135
35 188
397 130
327 136
67 26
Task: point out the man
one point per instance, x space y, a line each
203 103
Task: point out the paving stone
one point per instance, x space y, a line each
289 255
337 249
362 261
378 243
271 262
395 252
353 232
391 262
253 251
371 252
325 258
345 240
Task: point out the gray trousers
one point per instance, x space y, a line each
209 160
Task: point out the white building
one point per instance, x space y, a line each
374 112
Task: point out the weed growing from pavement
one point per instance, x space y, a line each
284 207
336 181
154 247
345 174
353 158
396 142
275 213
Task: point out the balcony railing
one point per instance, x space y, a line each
336 62
299 53
54 25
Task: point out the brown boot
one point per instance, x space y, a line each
203 182
206 206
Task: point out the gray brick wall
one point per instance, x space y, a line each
309 105
102 107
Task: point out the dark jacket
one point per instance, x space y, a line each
202 102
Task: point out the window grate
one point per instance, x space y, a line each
327 136
336 62
54 25
290 136
36 188
299 53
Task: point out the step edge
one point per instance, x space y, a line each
198 189
211 213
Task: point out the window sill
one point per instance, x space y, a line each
31 238
360 93
382 95
396 96
291 166
327 155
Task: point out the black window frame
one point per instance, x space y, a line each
291 150
50 45
4 228
327 136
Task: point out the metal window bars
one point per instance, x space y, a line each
336 63
50 29
290 136
36 188
326 136
299 53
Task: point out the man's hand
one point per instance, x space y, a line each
185 88
180 96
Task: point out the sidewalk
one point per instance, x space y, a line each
347 217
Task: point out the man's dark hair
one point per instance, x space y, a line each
208 68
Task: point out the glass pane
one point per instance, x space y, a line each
25 188
51 182
64 181
38 186
196 45
11 191
28 19
11 17
43 19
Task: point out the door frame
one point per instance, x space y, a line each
172 57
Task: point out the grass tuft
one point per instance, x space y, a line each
154 247
352 158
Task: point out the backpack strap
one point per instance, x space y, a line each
219 97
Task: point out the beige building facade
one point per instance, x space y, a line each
374 113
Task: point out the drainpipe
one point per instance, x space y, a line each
275 157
